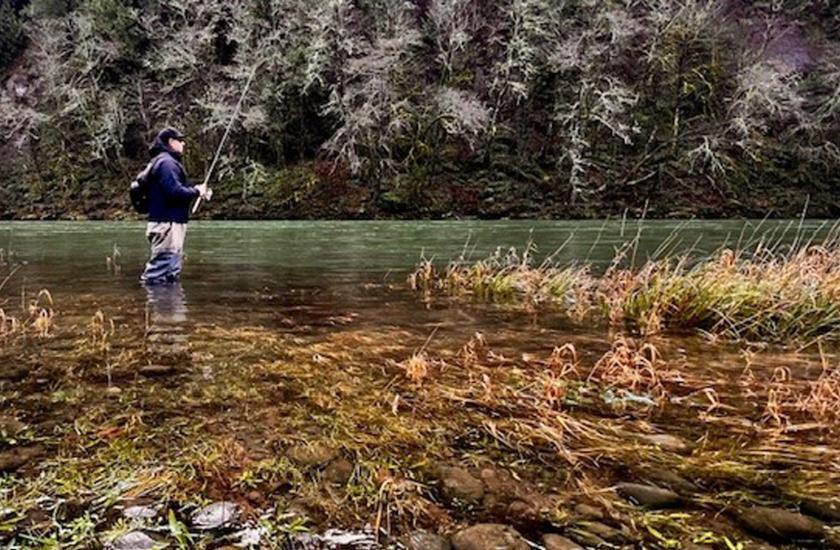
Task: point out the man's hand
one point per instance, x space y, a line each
204 191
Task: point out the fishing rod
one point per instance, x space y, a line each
225 136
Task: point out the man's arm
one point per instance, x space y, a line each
171 184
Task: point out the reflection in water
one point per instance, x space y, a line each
166 319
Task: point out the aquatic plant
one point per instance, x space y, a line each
753 294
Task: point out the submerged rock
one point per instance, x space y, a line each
423 540
218 515
16 458
556 542
157 370
489 536
459 484
587 511
672 480
778 524
140 512
133 540
11 426
602 531
826 510
339 471
649 496
310 456
667 442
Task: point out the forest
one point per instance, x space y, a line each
427 108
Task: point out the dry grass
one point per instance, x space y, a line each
761 294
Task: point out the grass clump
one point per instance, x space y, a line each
757 294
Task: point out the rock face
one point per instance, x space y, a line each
134 540
423 540
777 524
556 542
459 484
218 515
649 496
16 458
489 536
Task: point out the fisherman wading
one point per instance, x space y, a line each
169 199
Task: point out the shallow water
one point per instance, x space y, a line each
283 333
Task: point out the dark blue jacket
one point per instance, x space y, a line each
170 193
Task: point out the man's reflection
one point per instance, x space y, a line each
166 319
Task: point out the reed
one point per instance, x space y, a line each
760 293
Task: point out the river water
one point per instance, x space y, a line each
283 334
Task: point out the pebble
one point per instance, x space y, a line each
216 516
587 511
649 496
826 510
489 536
11 426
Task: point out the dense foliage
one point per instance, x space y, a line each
591 103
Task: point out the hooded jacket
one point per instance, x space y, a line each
170 193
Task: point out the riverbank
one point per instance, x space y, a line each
311 191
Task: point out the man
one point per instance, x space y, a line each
170 196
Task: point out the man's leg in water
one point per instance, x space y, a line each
167 246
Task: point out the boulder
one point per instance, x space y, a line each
649 496
423 540
776 524
489 536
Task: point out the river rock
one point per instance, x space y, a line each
587 511
423 540
489 536
157 370
826 510
11 427
459 484
339 471
133 540
779 525
556 542
672 480
667 442
601 532
649 496
218 515
15 458
140 511
310 456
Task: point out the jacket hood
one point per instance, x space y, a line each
160 146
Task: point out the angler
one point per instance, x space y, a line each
169 195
